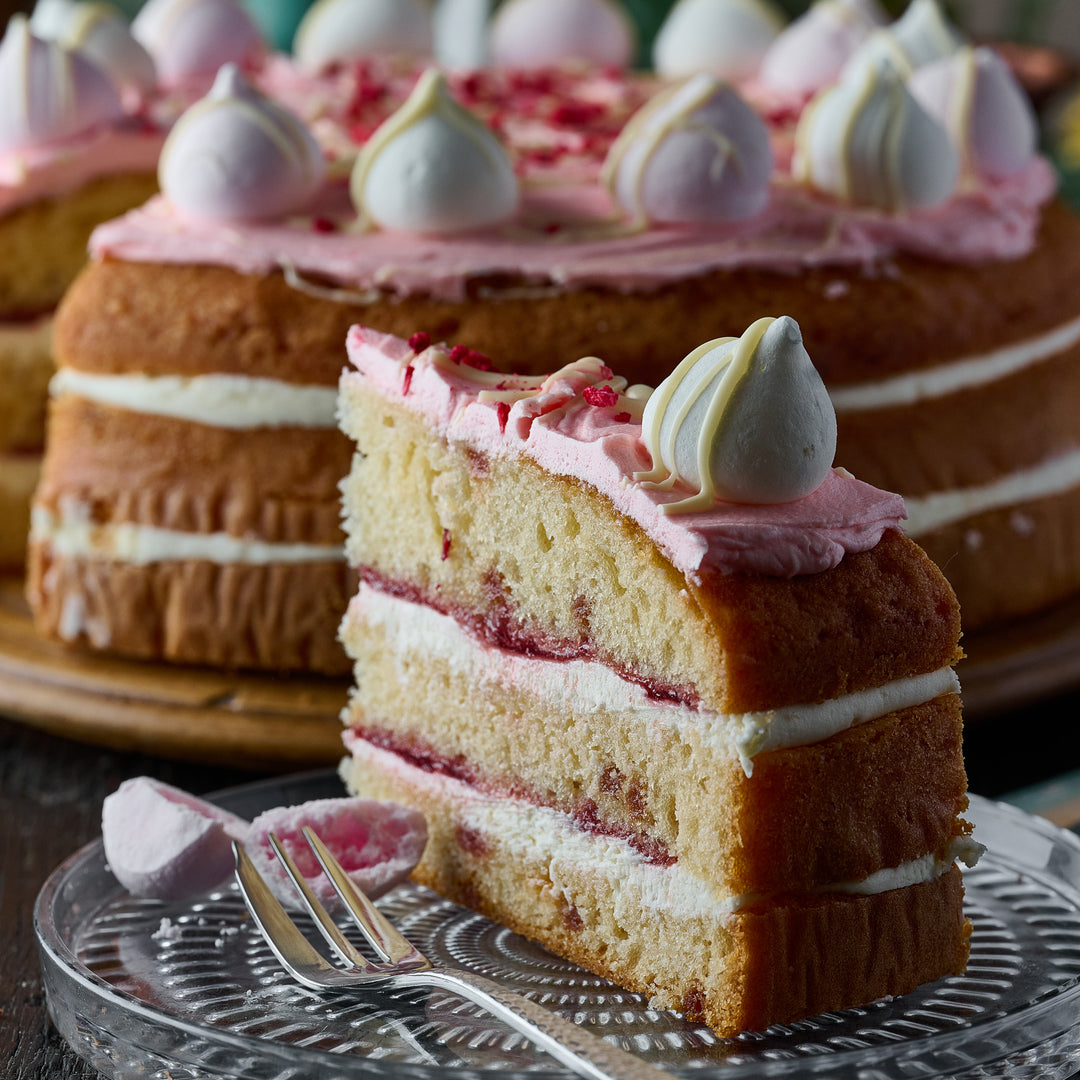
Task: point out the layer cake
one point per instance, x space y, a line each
714 756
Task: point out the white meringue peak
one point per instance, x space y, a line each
744 420
695 153
101 34
460 32
867 140
726 37
975 96
191 39
921 35
335 30
433 167
238 156
545 33
48 92
811 52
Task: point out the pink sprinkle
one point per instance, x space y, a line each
622 418
462 354
406 381
419 341
576 113
552 227
445 544
600 396
323 225
502 411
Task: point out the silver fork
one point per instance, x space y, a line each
404 965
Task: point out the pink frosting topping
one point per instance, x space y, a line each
578 424
553 243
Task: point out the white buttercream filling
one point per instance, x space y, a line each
228 401
73 535
589 686
958 375
537 833
934 511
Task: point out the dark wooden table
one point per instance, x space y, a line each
51 791
50 804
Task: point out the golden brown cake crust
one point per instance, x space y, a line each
276 484
18 477
878 615
1012 423
917 314
44 242
25 369
1028 550
279 616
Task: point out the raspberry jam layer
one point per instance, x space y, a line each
585 813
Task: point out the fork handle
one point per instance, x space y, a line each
587 1054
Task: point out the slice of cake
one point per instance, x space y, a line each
708 749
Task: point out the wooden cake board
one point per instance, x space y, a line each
195 714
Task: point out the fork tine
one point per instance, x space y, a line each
327 927
384 937
293 950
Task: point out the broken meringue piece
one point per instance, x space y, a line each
867 140
744 420
48 92
102 35
191 39
811 52
726 37
976 98
433 167
376 843
543 33
696 152
334 30
238 156
164 844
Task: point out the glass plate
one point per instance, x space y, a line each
145 989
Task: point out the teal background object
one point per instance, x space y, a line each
278 19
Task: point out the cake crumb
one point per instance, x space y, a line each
973 539
167 931
834 290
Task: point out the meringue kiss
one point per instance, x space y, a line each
433 167
743 419
811 52
727 37
541 33
696 152
868 140
191 39
49 92
101 34
334 30
237 156
922 34
976 98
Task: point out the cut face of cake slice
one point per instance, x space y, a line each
711 750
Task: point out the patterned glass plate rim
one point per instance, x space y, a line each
145 989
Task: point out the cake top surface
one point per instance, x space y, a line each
584 422
561 239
